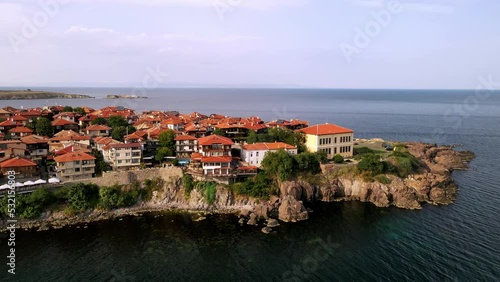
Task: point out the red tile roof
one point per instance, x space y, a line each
196 156
68 135
215 139
63 122
74 156
71 149
268 146
19 118
17 162
35 139
97 127
185 137
216 160
21 129
10 122
325 129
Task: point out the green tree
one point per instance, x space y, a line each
219 131
82 196
109 197
372 164
99 121
119 132
338 159
188 183
80 111
308 162
163 152
43 127
100 164
117 121
67 109
278 165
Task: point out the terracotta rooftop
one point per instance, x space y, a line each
97 127
17 162
62 122
34 139
268 146
216 159
185 137
325 129
74 156
215 139
21 129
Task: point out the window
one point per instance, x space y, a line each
251 155
77 162
117 155
335 150
119 161
127 154
257 154
329 140
335 139
77 169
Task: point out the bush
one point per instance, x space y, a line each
209 190
338 159
257 186
82 196
151 185
362 150
382 179
188 183
371 163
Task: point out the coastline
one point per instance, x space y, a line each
35 95
434 185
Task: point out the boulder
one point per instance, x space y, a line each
292 210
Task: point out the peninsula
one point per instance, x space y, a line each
125 97
117 162
32 94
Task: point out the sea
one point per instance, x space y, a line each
342 241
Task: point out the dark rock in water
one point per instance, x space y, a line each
266 230
252 220
272 222
292 210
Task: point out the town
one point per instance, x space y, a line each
65 144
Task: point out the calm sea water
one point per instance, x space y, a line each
460 242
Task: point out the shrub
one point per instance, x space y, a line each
188 183
151 185
257 186
371 163
82 196
382 179
362 150
338 159
209 190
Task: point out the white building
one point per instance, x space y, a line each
254 154
123 156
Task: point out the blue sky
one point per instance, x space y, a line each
427 44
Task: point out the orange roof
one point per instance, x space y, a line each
10 122
21 129
19 118
62 122
185 137
246 168
67 135
325 129
96 127
215 139
74 156
17 162
35 139
268 146
216 160
196 156
70 149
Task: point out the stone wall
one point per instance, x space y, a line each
128 177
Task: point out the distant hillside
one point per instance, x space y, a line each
28 94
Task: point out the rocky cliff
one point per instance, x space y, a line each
433 184
22 95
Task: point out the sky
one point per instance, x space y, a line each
405 44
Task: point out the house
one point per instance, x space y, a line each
216 157
20 131
123 156
23 167
254 154
38 146
185 146
9 124
12 148
329 138
98 130
64 124
101 142
4 114
75 166
66 138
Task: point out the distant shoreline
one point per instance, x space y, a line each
33 95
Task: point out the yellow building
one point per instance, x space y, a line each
329 138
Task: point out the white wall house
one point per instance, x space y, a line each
254 154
